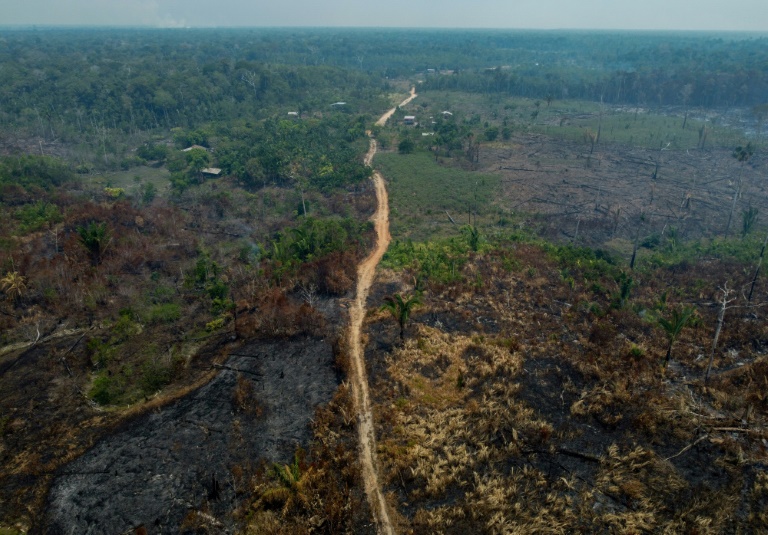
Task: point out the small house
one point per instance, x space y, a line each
211 171
409 120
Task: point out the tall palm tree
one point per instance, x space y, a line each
674 325
401 308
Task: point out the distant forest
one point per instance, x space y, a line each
107 91
154 72
64 80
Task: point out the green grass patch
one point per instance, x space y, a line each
421 191
164 313
646 130
133 180
744 251
642 127
439 260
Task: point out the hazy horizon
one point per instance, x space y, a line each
588 15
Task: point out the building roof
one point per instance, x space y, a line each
211 171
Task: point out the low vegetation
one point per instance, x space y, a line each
533 395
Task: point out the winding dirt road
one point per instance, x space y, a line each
365 273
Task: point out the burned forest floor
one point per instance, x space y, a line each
523 400
616 190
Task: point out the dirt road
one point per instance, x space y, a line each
365 273
384 118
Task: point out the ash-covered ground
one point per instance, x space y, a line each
179 459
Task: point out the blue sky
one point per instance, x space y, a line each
739 15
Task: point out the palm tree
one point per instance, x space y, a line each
748 220
672 327
293 490
14 285
95 238
473 236
401 308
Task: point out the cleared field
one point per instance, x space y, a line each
642 127
133 179
422 191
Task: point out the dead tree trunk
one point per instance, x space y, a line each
636 244
724 301
757 269
736 195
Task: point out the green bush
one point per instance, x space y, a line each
217 290
152 152
593 265
492 133
164 313
406 146
101 352
315 238
35 171
439 260
161 294
215 325
35 216
103 390
148 193
155 375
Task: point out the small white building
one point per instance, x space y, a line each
409 119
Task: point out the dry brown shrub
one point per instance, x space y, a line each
758 517
341 357
604 402
336 272
244 398
309 320
14 195
602 333
276 314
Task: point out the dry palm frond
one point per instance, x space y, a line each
14 285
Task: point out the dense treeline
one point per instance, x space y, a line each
313 152
64 83
686 85
98 85
636 68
